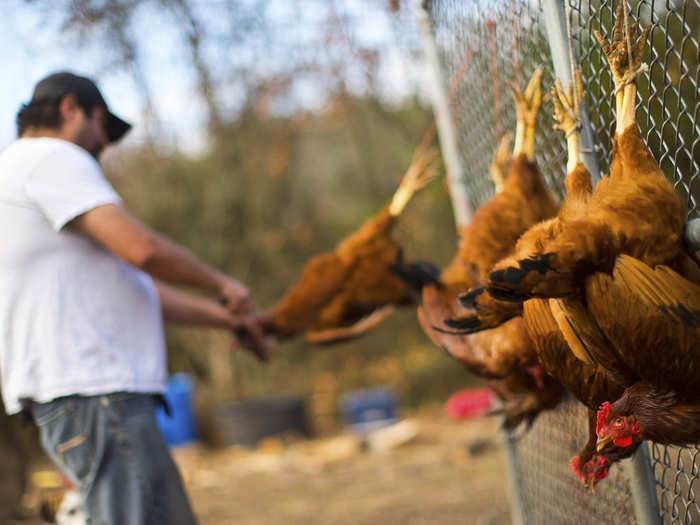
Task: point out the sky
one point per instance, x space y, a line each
31 51
33 46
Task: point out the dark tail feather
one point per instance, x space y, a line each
464 325
512 416
417 274
468 300
507 296
509 284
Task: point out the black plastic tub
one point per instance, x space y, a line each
247 422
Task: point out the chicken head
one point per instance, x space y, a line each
620 429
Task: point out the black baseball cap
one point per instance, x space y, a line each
63 83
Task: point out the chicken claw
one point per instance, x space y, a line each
567 113
624 55
567 104
422 170
527 103
498 169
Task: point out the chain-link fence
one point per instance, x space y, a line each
509 39
677 475
549 492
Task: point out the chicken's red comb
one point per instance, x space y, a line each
603 413
576 469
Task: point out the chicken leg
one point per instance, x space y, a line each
489 310
527 105
635 211
625 59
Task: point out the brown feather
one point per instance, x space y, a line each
337 289
635 211
505 354
652 317
590 384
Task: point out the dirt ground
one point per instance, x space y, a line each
450 473
444 473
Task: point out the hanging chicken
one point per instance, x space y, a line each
504 356
634 210
347 292
344 293
589 382
652 317
639 320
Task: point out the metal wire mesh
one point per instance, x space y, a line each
668 104
483 102
677 474
549 492
508 39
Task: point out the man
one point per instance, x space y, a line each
82 300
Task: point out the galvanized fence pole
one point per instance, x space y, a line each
639 470
462 209
447 134
515 497
646 505
692 234
555 25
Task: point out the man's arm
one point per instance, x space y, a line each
182 308
114 228
199 311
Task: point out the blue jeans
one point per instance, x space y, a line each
111 449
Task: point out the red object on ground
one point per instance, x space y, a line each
473 402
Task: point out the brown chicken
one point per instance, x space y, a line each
638 323
504 356
634 211
652 318
598 308
344 293
489 312
589 382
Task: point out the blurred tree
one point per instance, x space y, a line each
270 193
300 52
316 144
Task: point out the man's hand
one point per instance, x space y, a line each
249 333
184 308
235 296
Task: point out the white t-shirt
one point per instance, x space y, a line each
74 318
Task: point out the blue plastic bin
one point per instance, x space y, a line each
366 410
179 427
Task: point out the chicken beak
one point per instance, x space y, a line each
593 482
603 442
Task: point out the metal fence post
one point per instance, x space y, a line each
646 505
692 234
555 24
447 133
517 506
462 209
